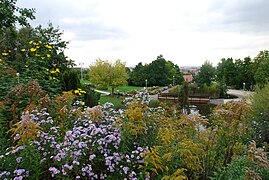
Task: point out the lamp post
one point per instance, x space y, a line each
18 75
81 64
146 83
244 85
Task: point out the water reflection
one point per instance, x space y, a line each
203 109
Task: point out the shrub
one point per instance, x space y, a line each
70 80
91 98
260 105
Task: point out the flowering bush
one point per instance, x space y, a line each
88 149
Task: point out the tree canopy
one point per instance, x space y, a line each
206 74
159 72
10 14
108 74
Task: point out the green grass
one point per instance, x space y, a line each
83 81
116 100
126 88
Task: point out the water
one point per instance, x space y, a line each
203 109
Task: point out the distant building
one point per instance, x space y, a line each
190 70
188 78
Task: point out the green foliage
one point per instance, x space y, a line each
10 14
226 71
183 96
244 78
260 106
206 74
91 98
154 103
70 80
261 75
114 99
214 90
159 72
108 74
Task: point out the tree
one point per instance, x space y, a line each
10 14
159 72
108 74
226 71
261 62
206 74
137 76
245 75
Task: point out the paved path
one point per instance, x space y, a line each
240 94
102 92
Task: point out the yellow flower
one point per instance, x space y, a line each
84 92
40 42
9 50
4 54
37 47
1 60
48 46
37 55
35 43
23 50
79 89
47 69
48 55
57 70
33 49
76 91
26 65
42 58
30 42
52 71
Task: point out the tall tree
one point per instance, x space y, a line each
108 74
262 68
206 74
226 71
245 76
159 72
10 14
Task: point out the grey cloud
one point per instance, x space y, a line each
246 16
91 29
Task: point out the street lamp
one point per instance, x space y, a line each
18 75
244 85
146 83
81 64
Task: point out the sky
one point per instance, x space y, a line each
185 32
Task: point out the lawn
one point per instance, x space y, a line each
126 88
83 81
116 100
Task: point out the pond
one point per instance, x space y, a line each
203 109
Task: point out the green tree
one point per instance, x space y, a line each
226 72
206 74
137 75
159 72
245 76
261 68
108 74
10 14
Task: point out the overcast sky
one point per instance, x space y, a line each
185 32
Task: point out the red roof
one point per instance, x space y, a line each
188 78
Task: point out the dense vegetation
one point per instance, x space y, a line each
48 132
